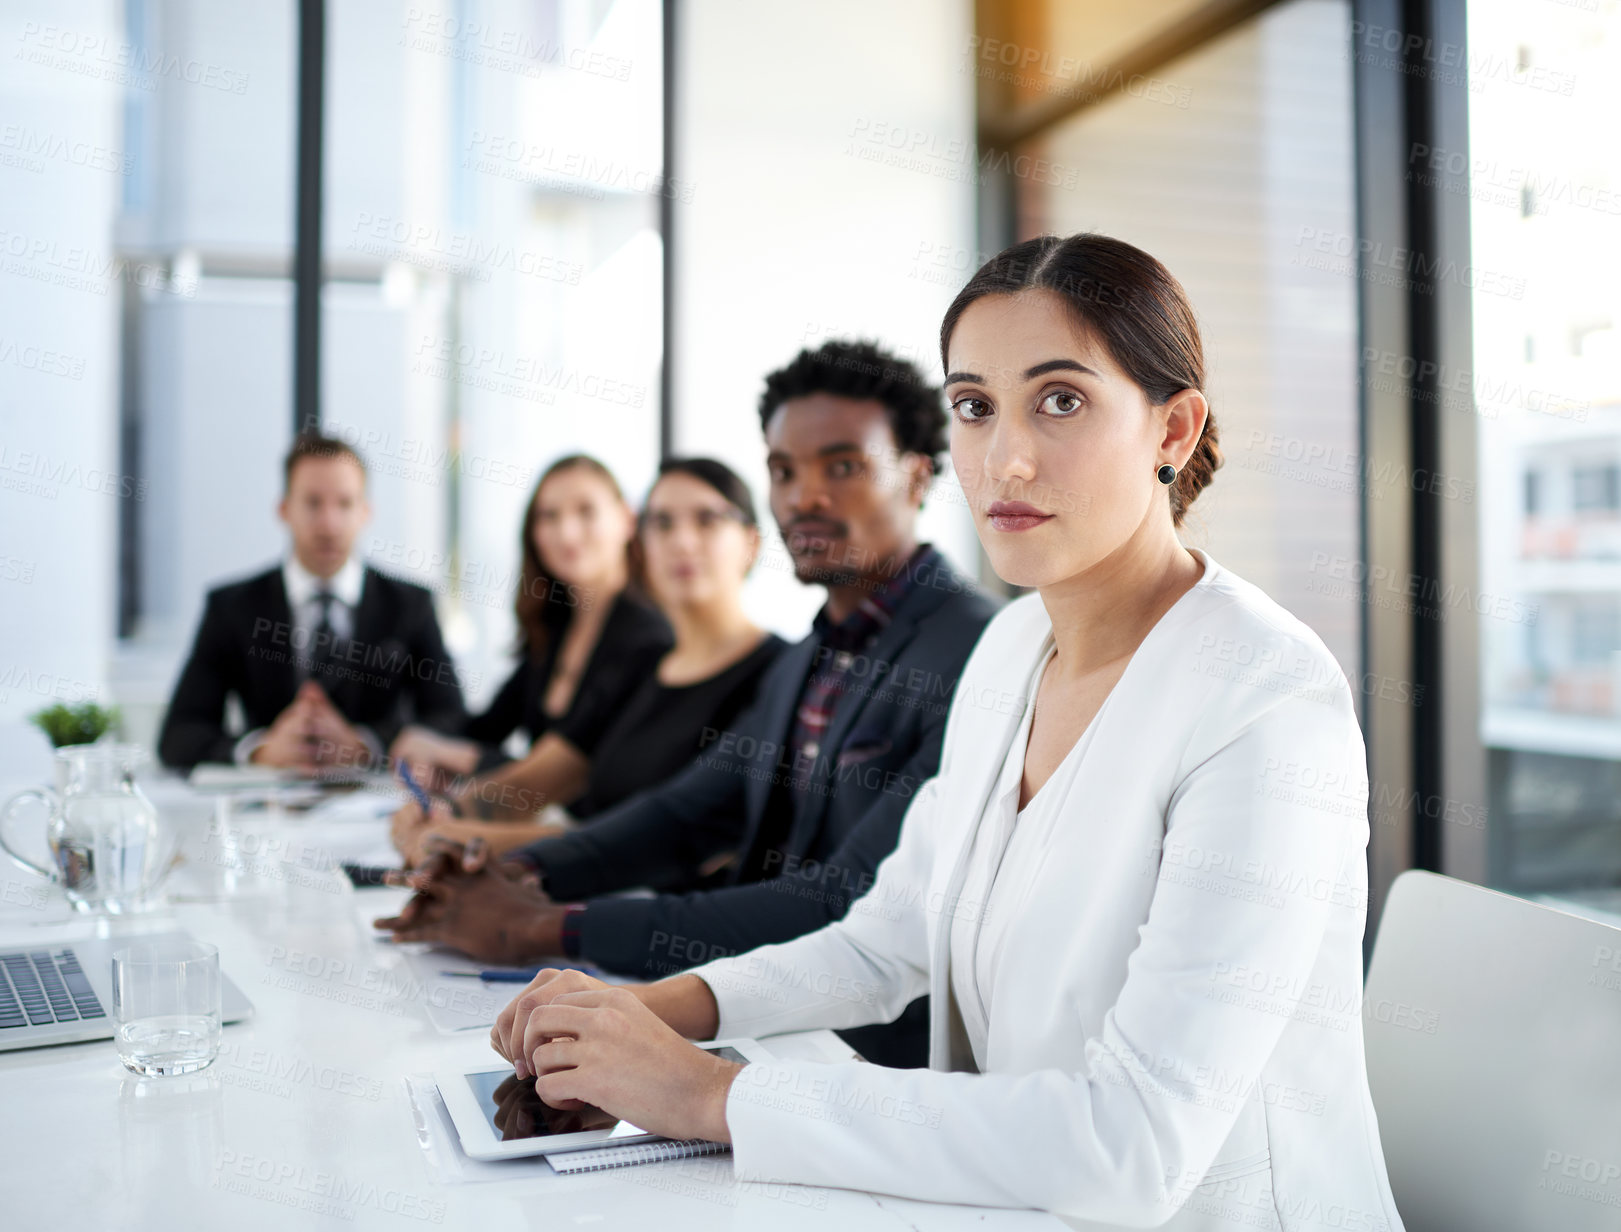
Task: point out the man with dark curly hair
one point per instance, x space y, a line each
830 394
803 796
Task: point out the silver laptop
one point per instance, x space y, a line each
61 993
1493 1033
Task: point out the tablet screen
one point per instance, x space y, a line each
514 1111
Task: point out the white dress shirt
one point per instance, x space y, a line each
304 604
303 589
1170 957
1006 856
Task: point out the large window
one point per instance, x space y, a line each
492 225
1543 178
491 301
496 206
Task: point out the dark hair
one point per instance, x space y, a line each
865 370
718 476
1134 306
314 445
539 608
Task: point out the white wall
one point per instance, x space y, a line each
60 180
798 230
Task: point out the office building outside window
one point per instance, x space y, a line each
1543 174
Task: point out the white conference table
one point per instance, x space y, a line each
305 1120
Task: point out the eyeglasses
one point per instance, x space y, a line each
707 520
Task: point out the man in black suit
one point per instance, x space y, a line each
328 657
809 786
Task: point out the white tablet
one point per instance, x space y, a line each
498 1117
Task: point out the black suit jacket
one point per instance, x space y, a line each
883 743
393 670
634 637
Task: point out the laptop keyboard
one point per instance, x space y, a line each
39 986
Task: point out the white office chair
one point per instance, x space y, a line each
1493 1029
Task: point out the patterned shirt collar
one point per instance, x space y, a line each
876 608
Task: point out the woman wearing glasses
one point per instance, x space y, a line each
697 539
1136 890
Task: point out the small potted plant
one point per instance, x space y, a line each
85 723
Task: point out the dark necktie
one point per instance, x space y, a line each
323 656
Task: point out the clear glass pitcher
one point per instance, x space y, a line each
102 830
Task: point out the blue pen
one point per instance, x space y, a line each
498 976
415 788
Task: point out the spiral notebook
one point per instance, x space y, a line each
635 1153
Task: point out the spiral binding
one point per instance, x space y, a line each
636 1153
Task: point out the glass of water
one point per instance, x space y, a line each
166 1004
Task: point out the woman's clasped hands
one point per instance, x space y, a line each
588 1043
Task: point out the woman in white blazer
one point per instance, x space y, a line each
1136 890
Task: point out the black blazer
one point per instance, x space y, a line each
395 668
882 744
634 637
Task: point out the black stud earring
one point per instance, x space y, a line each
1167 474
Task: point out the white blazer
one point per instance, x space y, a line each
1174 1034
